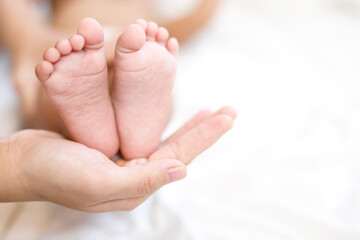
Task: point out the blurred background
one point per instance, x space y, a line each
290 168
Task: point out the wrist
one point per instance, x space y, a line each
12 184
4 169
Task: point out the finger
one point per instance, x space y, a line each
197 140
227 110
143 179
199 118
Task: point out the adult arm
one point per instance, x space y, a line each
185 27
19 21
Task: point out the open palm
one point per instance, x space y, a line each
73 175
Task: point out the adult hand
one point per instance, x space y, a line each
43 166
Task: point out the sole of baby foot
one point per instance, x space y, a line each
74 76
145 69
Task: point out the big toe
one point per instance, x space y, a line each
92 32
132 39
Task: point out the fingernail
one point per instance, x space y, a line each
175 174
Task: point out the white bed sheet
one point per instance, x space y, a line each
290 168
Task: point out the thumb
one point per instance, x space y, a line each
143 180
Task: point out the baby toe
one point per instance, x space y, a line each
64 47
77 42
151 31
52 55
173 46
43 70
162 35
142 23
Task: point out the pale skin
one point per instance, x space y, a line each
75 77
42 109
43 166
27 36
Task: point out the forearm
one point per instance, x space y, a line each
19 21
185 27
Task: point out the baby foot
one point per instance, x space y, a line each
74 75
145 67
